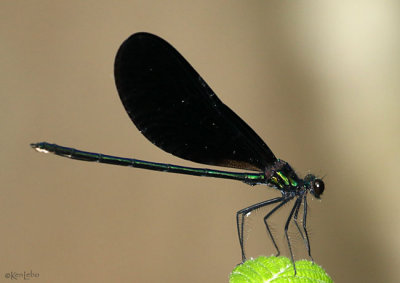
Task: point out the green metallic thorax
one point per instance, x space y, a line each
281 176
281 180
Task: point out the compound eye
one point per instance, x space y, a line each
319 187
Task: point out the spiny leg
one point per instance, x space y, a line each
305 228
240 216
283 202
296 213
305 238
296 205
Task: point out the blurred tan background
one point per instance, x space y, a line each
319 82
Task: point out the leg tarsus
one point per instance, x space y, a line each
240 219
297 203
283 202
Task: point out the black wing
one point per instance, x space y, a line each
177 111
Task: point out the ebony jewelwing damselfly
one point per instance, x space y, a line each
174 108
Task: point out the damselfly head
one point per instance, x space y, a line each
314 185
